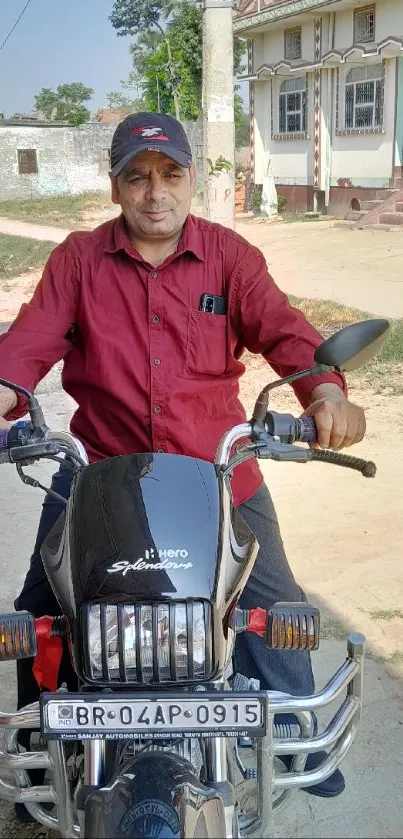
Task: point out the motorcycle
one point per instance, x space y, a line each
148 562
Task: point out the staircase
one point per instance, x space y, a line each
383 213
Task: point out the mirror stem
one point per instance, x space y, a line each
262 402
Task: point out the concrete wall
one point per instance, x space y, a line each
389 21
290 159
69 158
361 161
367 159
399 118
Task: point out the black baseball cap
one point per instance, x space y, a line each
147 131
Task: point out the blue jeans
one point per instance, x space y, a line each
271 580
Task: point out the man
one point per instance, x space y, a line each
151 371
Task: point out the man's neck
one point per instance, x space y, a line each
155 253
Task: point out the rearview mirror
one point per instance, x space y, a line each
353 346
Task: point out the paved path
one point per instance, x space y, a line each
32 231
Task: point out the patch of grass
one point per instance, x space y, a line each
18 255
291 217
384 374
385 614
331 629
395 658
325 314
58 211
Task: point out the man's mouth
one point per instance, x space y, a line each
156 215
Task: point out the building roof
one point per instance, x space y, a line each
33 123
110 116
251 13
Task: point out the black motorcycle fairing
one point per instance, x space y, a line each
144 529
156 795
146 526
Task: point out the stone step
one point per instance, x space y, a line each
384 194
354 215
391 218
388 227
371 205
399 208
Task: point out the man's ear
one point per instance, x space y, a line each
192 176
114 189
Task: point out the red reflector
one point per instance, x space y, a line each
49 655
257 621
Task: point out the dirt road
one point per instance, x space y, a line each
361 268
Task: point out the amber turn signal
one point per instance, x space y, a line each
17 636
293 626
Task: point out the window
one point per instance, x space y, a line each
364 25
292 43
363 101
292 110
27 161
105 160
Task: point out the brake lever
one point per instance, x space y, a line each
268 447
274 450
26 453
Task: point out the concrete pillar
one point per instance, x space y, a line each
218 111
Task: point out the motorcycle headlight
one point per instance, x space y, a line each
147 643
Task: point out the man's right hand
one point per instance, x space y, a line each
8 401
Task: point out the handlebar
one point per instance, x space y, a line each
22 443
275 441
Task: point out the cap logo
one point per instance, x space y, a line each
150 132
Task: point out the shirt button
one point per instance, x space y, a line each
161 451
156 319
153 275
157 409
157 361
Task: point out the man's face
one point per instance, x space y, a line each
155 195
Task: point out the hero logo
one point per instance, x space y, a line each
149 132
144 564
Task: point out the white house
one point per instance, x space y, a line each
326 98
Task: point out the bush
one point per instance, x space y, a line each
256 200
281 203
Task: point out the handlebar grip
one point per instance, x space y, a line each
306 431
4 440
366 467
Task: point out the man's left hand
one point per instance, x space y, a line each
339 423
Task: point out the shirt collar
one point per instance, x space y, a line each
189 242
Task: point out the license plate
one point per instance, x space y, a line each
91 716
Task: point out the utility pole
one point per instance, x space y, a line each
218 111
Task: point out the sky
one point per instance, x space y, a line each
59 41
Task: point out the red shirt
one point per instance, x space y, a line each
149 371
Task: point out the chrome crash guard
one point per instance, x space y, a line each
272 787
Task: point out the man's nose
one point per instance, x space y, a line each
155 187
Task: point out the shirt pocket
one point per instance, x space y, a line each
206 350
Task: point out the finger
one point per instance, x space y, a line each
339 430
356 428
324 425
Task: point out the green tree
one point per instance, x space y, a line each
184 31
66 103
242 136
134 17
126 104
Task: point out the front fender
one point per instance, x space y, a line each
157 796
